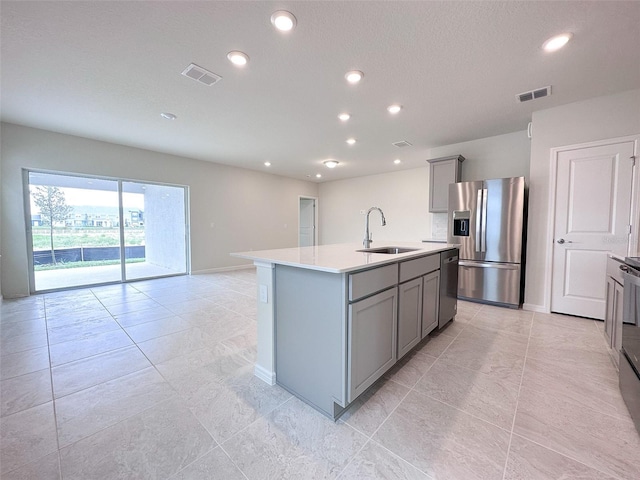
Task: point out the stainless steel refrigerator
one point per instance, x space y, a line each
487 219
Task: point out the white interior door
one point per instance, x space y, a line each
307 222
592 219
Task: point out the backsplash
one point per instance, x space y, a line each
439 226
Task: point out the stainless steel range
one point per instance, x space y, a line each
630 353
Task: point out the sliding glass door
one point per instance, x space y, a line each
87 231
154 230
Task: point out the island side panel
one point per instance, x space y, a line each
265 367
311 334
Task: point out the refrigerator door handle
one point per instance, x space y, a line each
484 220
479 219
502 266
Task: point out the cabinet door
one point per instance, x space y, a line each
609 310
442 174
409 316
372 340
430 302
616 341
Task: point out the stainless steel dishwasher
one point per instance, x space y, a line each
448 286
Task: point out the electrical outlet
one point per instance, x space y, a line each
264 298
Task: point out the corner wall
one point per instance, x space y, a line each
581 122
501 156
231 209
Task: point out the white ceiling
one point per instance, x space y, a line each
106 70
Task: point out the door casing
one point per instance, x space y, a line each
633 247
315 219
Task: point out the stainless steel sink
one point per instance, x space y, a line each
388 250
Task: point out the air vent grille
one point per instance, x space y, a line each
534 94
401 144
201 75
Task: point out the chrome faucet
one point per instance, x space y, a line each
367 235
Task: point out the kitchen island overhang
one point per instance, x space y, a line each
317 304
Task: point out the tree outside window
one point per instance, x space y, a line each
53 209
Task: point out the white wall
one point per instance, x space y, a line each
595 119
492 157
404 195
232 209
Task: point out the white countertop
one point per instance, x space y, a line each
342 257
617 257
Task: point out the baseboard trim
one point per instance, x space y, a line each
534 308
223 269
265 375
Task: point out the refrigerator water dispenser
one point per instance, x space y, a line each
461 223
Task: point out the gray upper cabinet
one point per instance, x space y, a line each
442 172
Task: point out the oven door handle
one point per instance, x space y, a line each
630 300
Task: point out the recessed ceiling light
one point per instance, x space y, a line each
238 58
267 164
397 161
351 141
318 175
331 163
354 76
393 109
283 20
344 116
557 42
168 116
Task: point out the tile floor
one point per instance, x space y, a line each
154 379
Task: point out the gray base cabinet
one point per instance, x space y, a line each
431 303
409 315
336 334
372 340
614 306
311 337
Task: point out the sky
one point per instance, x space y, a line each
79 197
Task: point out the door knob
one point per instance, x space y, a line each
562 240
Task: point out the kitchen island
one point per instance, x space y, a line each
333 319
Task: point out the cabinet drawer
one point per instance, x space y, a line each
613 269
372 281
418 267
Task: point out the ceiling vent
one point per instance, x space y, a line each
401 144
201 75
534 94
